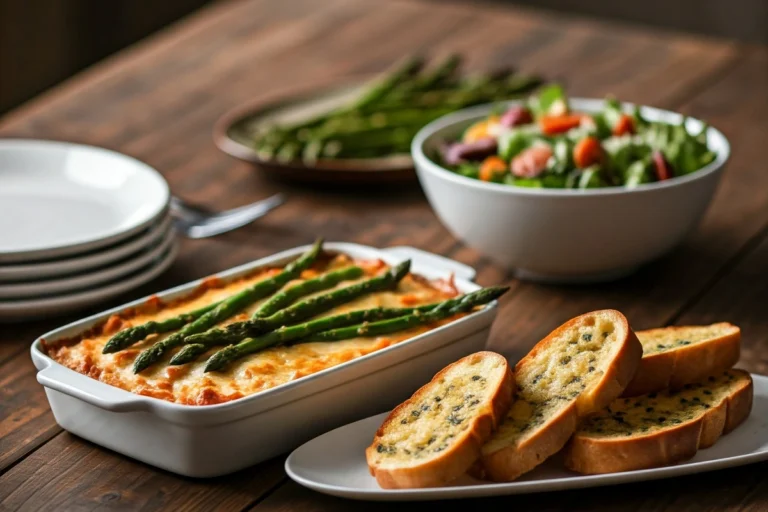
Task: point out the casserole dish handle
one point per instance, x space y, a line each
460 270
79 386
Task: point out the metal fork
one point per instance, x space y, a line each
198 222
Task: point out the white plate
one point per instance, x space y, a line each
15 272
19 310
334 463
89 279
59 199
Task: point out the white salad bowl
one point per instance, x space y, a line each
566 235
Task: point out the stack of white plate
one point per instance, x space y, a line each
78 225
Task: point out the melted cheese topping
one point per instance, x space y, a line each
188 384
555 376
434 421
649 413
670 338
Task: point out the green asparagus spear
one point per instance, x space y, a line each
437 77
227 355
192 351
317 284
356 123
443 310
228 307
385 85
380 138
475 90
128 337
235 332
189 353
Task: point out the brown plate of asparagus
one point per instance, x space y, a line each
360 132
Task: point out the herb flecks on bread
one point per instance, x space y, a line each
670 338
557 376
661 428
436 435
447 410
576 370
655 411
675 356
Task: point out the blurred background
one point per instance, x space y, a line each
42 42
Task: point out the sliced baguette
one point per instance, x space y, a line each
662 428
578 369
436 435
675 356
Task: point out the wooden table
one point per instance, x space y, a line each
158 100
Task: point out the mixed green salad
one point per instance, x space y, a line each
544 143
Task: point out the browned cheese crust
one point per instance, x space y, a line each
190 385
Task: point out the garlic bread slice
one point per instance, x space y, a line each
675 356
661 428
436 435
578 369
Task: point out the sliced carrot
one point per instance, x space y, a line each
625 125
587 151
480 130
491 166
552 125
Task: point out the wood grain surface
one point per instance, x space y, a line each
158 100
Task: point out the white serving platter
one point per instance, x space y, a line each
22 310
71 284
15 272
334 463
60 199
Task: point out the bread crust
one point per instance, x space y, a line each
593 455
509 463
739 405
680 366
463 453
512 461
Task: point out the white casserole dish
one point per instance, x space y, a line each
207 441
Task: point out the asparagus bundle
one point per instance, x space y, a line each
192 351
228 307
235 332
269 143
227 355
128 337
385 117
